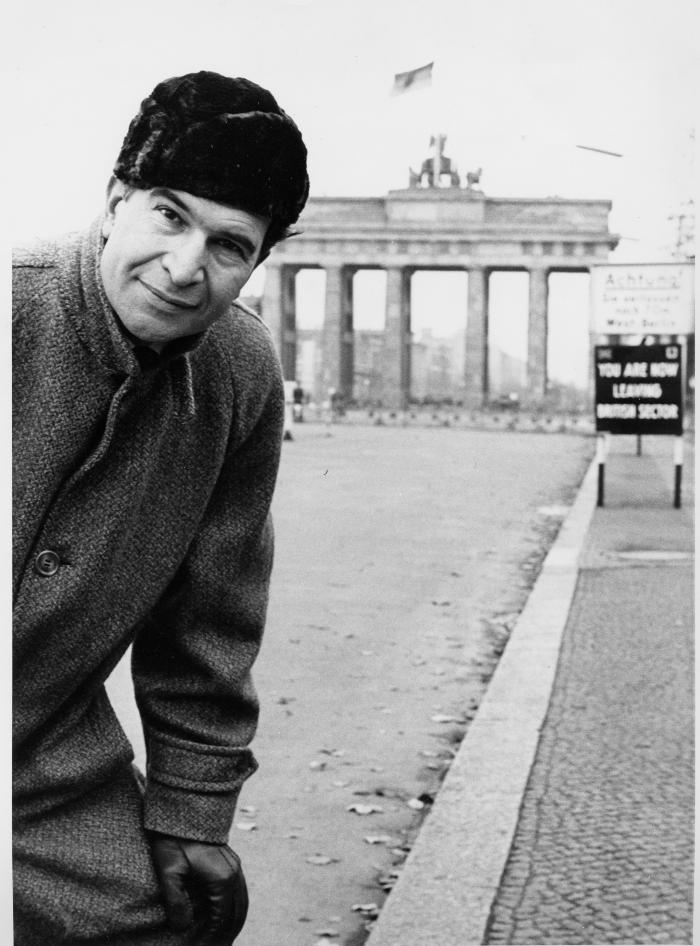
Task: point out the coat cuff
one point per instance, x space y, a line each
191 790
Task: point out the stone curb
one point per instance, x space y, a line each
447 886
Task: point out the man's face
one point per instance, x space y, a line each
173 263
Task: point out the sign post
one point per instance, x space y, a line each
601 452
678 469
639 390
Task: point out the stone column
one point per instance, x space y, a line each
271 307
537 336
477 335
397 339
338 347
288 351
279 313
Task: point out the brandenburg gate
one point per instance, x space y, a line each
434 224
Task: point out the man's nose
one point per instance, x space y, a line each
185 259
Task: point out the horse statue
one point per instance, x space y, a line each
473 177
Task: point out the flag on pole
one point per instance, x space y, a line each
413 79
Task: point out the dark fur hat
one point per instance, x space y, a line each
219 138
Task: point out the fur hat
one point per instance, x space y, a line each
219 138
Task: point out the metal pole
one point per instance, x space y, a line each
600 457
436 161
639 445
678 464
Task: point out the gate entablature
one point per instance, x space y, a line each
445 227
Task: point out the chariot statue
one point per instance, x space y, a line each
435 169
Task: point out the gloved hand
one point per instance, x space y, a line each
203 886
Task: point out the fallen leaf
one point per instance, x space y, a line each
415 803
370 909
246 826
334 752
317 765
365 809
443 718
247 809
321 860
340 784
378 839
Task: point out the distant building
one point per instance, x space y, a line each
369 348
437 367
507 373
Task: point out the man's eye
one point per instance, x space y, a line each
228 246
168 213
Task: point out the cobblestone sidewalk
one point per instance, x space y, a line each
603 852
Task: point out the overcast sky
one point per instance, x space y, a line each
517 85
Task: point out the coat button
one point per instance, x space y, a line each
46 563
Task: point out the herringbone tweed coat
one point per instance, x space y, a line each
150 488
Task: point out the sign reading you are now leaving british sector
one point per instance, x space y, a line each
639 389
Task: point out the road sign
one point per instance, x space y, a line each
643 299
639 389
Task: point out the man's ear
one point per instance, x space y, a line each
116 192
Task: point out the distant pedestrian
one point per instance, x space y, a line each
147 421
298 396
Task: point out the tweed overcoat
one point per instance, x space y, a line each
150 488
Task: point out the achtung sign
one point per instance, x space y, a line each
639 389
643 299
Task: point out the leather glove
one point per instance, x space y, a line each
203 887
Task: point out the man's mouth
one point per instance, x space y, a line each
169 299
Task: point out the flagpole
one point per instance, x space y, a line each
405 82
439 142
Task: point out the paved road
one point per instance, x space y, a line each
603 852
403 557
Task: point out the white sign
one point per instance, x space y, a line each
643 299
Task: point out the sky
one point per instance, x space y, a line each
516 86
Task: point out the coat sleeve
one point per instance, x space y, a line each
192 659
